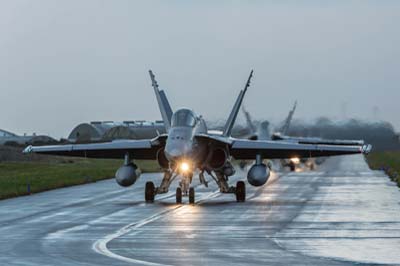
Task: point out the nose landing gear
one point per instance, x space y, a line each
179 195
184 189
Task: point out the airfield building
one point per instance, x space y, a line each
106 131
8 138
6 134
90 132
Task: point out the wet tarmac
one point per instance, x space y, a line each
341 214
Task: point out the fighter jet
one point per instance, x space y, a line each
282 135
188 149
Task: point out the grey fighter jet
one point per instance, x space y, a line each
262 133
188 148
282 135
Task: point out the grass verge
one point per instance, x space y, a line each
388 161
23 178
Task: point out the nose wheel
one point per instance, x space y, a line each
292 167
240 191
179 195
150 192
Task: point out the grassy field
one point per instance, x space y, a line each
15 177
387 161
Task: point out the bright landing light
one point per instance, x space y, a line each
184 166
295 160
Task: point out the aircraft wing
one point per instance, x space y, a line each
314 140
246 149
330 142
137 149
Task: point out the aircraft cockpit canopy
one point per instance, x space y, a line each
183 118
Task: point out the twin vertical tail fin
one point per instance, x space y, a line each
166 111
235 110
163 104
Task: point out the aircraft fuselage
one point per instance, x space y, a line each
180 144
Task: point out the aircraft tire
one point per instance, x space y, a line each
149 192
240 191
191 195
178 195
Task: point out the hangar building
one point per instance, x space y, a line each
5 134
90 132
8 138
106 131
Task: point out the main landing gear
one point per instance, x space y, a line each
184 190
239 190
151 191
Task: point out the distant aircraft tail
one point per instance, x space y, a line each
249 121
163 104
288 120
235 110
263 131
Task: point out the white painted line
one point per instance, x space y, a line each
61 233
100 246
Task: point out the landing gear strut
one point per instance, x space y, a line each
151 190
239 190
222 182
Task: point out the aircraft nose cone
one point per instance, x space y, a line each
175 153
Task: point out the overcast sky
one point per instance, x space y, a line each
67 62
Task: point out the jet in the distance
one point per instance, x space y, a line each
263 133
282 134
188 148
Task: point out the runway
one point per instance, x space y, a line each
341 214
